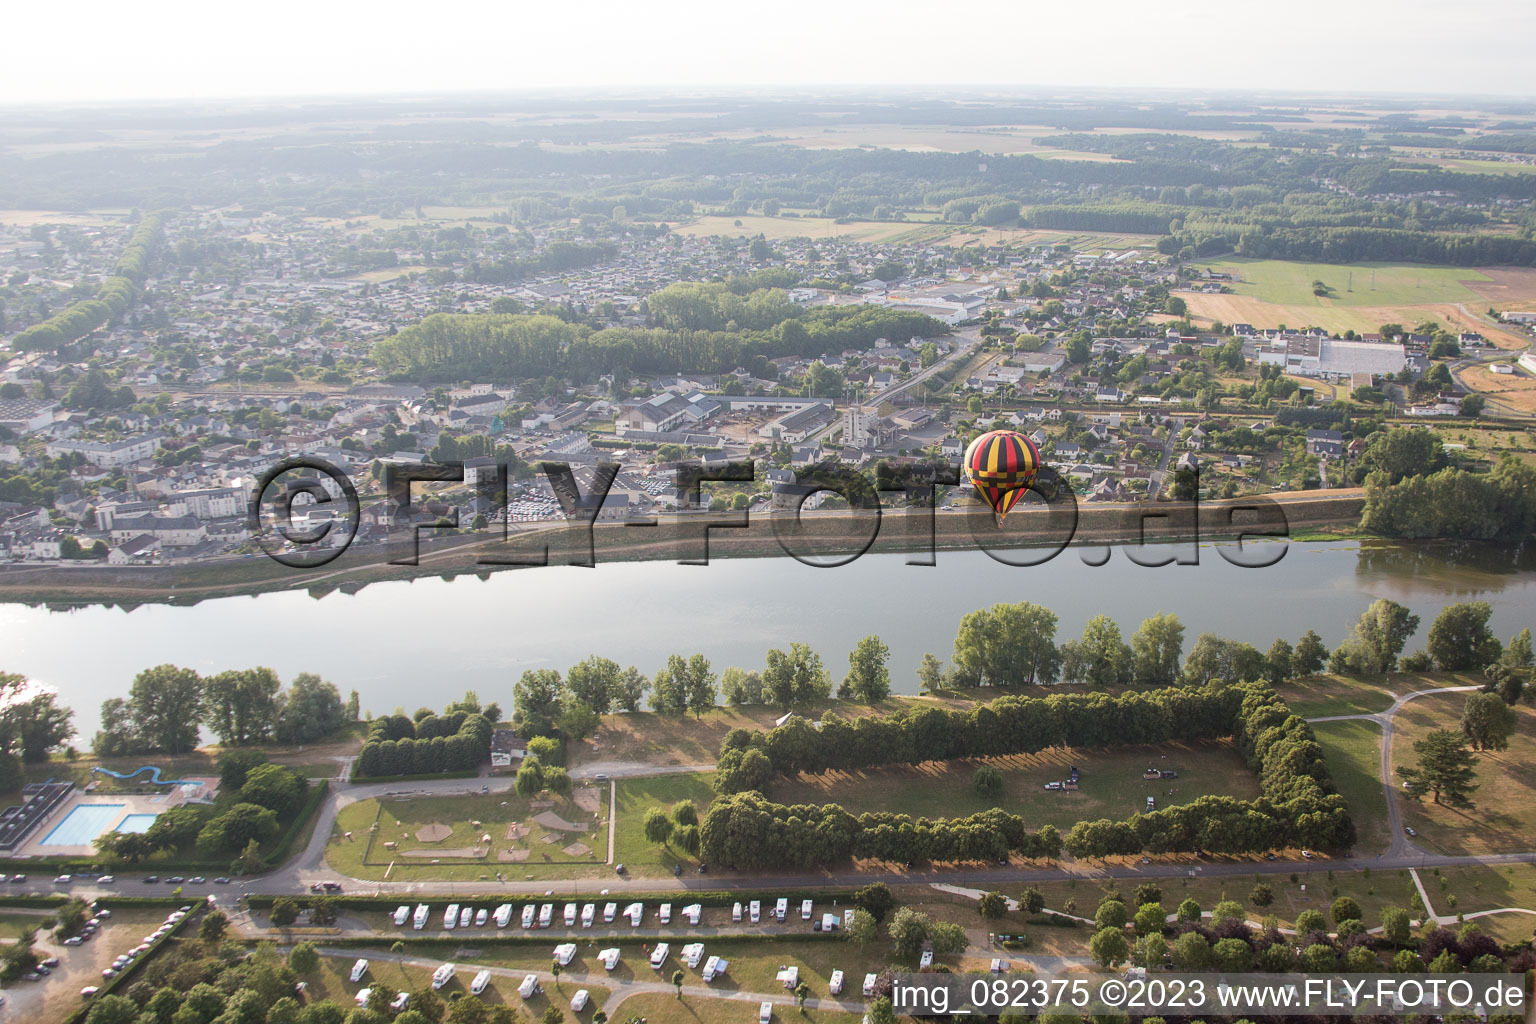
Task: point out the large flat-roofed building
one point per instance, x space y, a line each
1311 356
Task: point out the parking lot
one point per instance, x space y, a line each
56 995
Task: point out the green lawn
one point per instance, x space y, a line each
1353 750
1110 784
1325 695
636 796
399 821
698 1010
1359 284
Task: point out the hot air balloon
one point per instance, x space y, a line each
1002 464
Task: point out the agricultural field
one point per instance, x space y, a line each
1505 816
1110 786
444 837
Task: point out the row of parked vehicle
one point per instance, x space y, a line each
828 922
534 915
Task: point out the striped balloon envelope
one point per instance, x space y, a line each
1001 465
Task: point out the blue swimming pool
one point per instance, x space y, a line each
83 824
137 823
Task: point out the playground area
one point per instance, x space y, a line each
502 833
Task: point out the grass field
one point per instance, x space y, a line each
1362 284
1505 816
1319 696
469 818
1353 750
696 1010
1111 785
636 796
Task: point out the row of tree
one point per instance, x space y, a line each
168 705
1454 503
457 740
112 299
748 831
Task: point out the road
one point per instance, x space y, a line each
966 342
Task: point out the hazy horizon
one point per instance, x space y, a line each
291 51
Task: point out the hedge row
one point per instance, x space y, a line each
397 746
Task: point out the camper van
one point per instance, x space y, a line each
451 916
835 983
659 955
610 911
692 954
503 915
565 953
358 970
869 984
400 1002
829 922
569 914
529 987
666 913
756 911
736 913
609 958
790 977
781 910
805 910
480 916
530 913
848 918
478 985
442 976
714 967
466 916
691 913
362 997
927 960
588 913
401 913
546 915
765 1012
635 911
419 918
579 1000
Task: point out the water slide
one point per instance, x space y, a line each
154 776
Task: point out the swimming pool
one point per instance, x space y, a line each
137 823
83 824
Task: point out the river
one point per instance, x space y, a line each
409 644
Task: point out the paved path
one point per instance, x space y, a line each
1401 845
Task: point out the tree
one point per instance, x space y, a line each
1111 914
309 710
795 677
908 932
1378 638
235 765
877 898
211 929
1156 647
303 958
557 780
862 928
1445 769
658 827
1459 638
1006 645
240 705
1189 910
552 1014
548 751
578 721
237 826
1277 663
32 721
740 770
1232 955
166 704
992 905
1309 655
1262 895
284 912
1109 947
868 678
537 699
1150 917
881 1012
274 786
112 1009
1032 901
987 782
739 686
678 977
1103 659
1487 722
1344 908
930 673
1191 952
1396 926
630 694
1518 653
529 780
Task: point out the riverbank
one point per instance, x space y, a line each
822 536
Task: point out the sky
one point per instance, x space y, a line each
94 51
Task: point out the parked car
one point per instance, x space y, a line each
107 879
151 879
197 880
221 880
